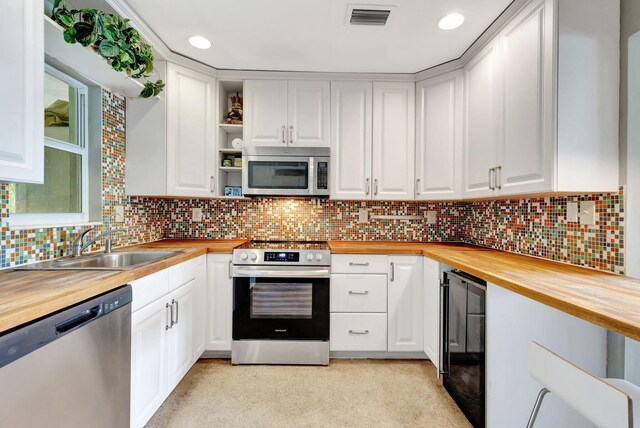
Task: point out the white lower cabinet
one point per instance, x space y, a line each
148 361
431 314
358 332
219 299
180 348
405 304
164 331
376 303
512 322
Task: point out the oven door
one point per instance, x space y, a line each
283 175
280 303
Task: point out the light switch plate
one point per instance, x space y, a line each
363 215
119 213
588 213
196 214
572 212
431 217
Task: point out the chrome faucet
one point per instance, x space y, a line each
78 245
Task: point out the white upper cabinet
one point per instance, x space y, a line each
372 140
22 89
393 140
439 137
308 113
537 119
481 122
351 138
281 113
525 158
175 134
190 132
265 113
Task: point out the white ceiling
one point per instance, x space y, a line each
313 35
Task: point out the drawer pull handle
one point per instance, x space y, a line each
358 332
359 293
358 264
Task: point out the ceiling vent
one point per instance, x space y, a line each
368 14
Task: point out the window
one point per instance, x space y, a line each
63 198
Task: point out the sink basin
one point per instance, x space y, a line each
114 261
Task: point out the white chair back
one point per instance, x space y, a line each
601 403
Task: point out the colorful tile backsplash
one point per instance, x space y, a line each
535 226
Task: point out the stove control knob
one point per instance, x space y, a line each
310 257
318 256
254 257
244 256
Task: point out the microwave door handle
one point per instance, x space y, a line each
312 183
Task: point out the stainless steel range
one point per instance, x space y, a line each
281 303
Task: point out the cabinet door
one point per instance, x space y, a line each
481 82
181 334
265 113
431 281
439 137
148 360
219 302
200 308
351 139
190 132
308 113
393 140
22 88
526 152
405 310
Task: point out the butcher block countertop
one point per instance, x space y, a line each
28 295
611 301
608 300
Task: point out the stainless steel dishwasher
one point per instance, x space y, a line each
70 369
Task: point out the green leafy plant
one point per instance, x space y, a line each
113 39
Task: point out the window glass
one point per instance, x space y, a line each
61 191
60 112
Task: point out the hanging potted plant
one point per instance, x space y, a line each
112 38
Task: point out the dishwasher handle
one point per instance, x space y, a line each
79 320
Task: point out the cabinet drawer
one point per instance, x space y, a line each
149 288
358 263
184 272
358 332
358 293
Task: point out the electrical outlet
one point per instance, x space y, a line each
431 217
363 215
196 214
119 213
572 212
588 213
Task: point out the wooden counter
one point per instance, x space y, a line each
28 295
611 301
608 300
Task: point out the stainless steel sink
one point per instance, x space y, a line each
122 260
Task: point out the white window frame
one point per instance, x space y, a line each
17 220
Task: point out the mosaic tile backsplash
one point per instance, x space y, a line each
535 226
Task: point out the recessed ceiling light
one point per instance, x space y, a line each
199 42
451 21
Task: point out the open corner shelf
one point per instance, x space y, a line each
231 168
230 128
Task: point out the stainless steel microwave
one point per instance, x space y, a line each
299 171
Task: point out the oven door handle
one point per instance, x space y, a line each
269 273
